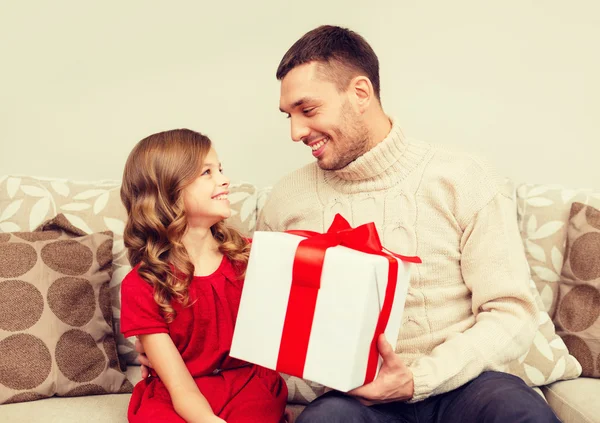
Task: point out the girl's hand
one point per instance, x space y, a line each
143 358
288 416
213 419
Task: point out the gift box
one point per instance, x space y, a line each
313 305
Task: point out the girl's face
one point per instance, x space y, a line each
205 199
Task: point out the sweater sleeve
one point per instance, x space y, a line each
270 214
495 270
292 202
263 219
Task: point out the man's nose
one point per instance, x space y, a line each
299 130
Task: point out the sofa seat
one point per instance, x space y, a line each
575 400
110 408
89 409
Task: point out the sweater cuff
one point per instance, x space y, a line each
423 384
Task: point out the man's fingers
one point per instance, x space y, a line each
361 391
361 394
355 392
365 401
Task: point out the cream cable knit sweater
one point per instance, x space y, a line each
469 307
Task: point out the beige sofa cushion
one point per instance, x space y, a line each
113 408
577 315
25 202
56 334
575 401
89 409
542 212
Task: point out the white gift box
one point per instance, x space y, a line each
348 304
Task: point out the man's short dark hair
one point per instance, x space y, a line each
342 53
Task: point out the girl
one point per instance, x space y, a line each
182 295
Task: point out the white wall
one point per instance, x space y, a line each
80 82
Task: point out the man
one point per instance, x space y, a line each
469 310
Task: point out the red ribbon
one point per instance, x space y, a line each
306 281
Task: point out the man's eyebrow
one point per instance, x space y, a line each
298 103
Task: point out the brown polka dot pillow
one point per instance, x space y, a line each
56 333
577 315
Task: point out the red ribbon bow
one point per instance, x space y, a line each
306 281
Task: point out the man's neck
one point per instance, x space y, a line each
380 125
384 165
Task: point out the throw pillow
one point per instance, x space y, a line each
301 391
577 315
95 207
548 359
542 212
56 333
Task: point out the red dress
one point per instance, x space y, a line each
237 391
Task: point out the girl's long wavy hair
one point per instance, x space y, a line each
157 171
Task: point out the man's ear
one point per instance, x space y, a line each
362 92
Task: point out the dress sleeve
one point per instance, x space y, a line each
140 314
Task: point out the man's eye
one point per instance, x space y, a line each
308 111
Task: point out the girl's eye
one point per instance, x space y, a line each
206 172
221 170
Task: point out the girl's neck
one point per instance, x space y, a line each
203 250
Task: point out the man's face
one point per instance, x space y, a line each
322 117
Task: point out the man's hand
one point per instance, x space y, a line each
146 366
393 383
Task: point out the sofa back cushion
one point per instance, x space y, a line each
542 213
26 202
577 315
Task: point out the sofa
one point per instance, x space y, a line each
31 204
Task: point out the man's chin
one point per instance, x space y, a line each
324 166
328 165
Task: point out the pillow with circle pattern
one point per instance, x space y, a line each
56 331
